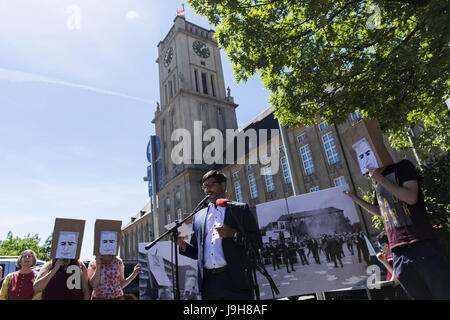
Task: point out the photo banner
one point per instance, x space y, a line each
156 280
312 243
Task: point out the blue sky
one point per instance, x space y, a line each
76 106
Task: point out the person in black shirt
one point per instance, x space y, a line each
418 261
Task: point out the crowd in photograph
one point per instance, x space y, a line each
308 250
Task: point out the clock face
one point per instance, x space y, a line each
168 57
201 49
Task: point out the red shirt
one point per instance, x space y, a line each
21 286
391 262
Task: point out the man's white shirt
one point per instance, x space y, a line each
213 252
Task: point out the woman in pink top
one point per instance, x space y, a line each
106 276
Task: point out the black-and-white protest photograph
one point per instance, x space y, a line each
157 276
242 150
312 243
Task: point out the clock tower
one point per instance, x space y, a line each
192 89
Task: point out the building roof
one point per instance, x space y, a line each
143 212
309 213
264 120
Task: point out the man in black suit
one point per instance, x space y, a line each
219 245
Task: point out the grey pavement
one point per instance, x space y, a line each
312 278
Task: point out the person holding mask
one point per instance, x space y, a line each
419 264
63 279
19 285
106 276
224 270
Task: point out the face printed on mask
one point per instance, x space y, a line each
67 245
108 242
365 155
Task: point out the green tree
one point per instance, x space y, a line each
436 185
388 58
13 246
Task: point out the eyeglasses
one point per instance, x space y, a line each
209 185
27 256
381 245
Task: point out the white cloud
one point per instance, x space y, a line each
19 76
131 15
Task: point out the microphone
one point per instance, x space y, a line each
200 205
227 203
203 202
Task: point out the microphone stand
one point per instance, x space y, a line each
255 261
174 231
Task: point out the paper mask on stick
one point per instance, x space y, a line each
365 155
67 245
67 238
364 136
108 242
107 237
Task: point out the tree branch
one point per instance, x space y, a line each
418 3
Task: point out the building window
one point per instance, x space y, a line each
340 181
212 86
169 219
204 83
356 115
285 168
167 203
238 191
314 189
130 244
301 138
253 188
179 214
170 89
269 179
323 126
307 159
196 80
174 85
282 149
236 175
165 93
330 148
178 195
